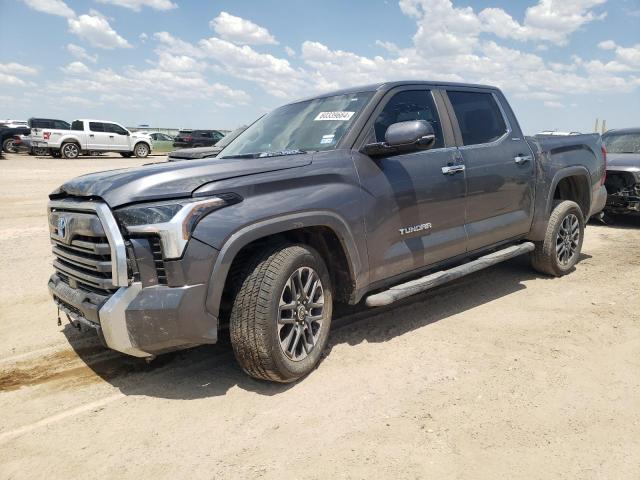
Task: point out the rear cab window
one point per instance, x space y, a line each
77 125
479 116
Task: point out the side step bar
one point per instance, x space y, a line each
438 278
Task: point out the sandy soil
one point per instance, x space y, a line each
504 374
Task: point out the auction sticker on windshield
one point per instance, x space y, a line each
341 116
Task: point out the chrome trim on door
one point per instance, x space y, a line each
453 169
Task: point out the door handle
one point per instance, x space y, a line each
91 135
452 170
110 136
521 159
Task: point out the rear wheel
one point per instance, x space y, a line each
281 314
8 146
70 150
141 150
558 253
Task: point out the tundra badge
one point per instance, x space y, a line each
415 228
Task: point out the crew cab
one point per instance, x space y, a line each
91 136
369 194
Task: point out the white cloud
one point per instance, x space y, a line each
143 37
275 75
96 30
136 5
178 63
11 80
52 7
80 53
241 31
80 101
75 68
290 51
552 104
17 69
607 45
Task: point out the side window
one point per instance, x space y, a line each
479 117
409 105
113 128
96 127
60 125
77 125
205 134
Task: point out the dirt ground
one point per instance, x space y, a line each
504 374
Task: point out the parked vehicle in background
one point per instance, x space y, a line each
205 152
88 135
14 123
331 199
197 138
38 125
161 142
8 137
558 132
623 170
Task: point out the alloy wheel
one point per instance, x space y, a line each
568 239
300 313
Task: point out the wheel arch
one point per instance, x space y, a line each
571 183
324 231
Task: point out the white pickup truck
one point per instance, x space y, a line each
91 136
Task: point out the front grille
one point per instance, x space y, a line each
82 254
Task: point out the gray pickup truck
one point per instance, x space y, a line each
372 193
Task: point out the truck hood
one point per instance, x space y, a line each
194 153
170 179
623 161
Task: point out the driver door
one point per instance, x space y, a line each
414 210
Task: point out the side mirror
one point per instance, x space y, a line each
403 137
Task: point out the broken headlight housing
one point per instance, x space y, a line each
173 221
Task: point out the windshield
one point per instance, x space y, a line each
622 143
313 125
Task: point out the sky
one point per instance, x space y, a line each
223 63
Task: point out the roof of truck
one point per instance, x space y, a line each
622 130
385 86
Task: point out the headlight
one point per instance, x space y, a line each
173 220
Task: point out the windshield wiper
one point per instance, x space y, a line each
281 153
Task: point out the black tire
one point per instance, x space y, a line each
55 153
127 154
256 325
141 150
558 253
70 150
8 146
40 152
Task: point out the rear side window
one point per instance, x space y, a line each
77 125
479 117
61 125
409 105
96 127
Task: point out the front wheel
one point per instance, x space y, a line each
281 314
141 150
557 254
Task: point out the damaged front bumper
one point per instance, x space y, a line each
142 322
623 191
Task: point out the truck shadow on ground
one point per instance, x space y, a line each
211 370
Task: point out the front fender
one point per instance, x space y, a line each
273 226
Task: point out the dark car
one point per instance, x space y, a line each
8 137
205 152
623 170
380 191
197 138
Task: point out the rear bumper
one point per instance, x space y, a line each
142 321
599 201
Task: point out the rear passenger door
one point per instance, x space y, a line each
499 167
97 138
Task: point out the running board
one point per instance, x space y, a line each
438 278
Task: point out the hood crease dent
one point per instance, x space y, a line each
161 181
